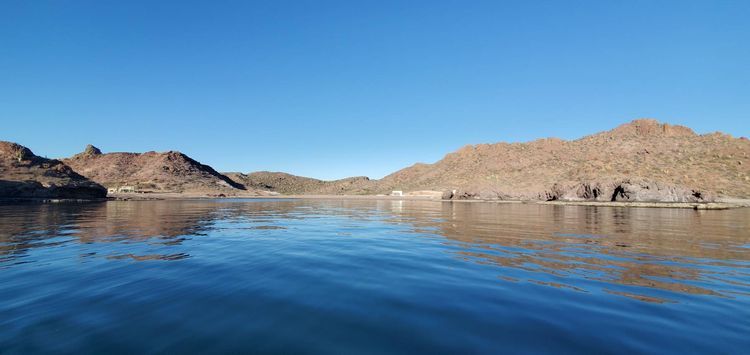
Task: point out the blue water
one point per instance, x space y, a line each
317 276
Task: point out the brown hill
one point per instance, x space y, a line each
25 175
298 185
643 160
150 172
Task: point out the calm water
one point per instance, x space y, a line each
371 277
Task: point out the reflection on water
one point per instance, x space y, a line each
584 258
666 249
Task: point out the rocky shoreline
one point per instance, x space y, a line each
720 205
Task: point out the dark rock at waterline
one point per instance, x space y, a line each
627 190
622 190
35 189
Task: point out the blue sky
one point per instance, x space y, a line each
338 88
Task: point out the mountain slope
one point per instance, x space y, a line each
23 174
647 159
151 171
298 185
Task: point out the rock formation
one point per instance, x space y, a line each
25 175
625 190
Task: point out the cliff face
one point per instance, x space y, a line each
151 171
643 160
25 175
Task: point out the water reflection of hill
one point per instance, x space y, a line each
27 226
665 249
623 250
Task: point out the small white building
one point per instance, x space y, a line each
121 189
397 193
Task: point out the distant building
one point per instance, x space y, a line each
397 193
121 189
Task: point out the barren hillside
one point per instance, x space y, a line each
640 160
297 185
643 160
151 171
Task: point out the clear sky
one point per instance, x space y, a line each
338 88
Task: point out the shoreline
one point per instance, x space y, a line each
681 205
51 200
721 204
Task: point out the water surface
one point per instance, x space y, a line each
316 276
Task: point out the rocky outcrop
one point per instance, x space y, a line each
476 194
151 172
609 190
25 175
626 190
90 150
651 128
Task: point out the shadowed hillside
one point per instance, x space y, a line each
25 175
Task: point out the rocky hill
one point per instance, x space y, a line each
25 175
289 184
151 172
643 160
